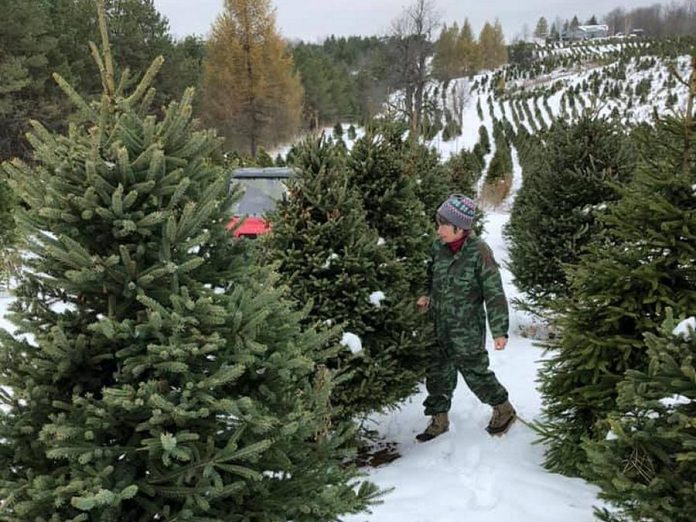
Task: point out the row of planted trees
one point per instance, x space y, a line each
160 369
601 240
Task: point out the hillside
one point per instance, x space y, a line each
626 78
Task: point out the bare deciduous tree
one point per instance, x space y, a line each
411 43
676 18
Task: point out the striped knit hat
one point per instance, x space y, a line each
458 210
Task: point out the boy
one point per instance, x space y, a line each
462 275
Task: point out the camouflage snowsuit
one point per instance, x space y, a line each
459 284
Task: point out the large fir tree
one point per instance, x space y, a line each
379 165
619 292
434 181
491 44
330 257
446 58
566 182
146 379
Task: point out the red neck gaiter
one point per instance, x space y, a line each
456 245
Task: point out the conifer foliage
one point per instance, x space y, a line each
330 257
620 291
434 181
7 202
646 467
380 170
135 388
565 184
7 230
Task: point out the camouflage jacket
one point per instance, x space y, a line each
459 284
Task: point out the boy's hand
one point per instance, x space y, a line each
423 303
500 343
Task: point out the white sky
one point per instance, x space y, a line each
313 20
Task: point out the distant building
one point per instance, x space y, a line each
587 32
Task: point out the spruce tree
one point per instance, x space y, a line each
484 139
333 261
433 181
498 178
24 81
146 379
564 187
387 184
465 169
646 466
619 292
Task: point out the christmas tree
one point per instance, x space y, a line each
335 262
381 174
498 178
433 182
620 291
145 380
645 467
563 190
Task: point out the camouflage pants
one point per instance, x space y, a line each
471 360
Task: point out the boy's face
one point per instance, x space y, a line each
448 233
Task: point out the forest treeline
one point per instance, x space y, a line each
264 93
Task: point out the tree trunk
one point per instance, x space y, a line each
251 98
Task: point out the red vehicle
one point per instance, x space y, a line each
262 187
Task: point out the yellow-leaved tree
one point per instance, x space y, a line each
492 46
251 93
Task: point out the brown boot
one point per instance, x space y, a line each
439 424
503 416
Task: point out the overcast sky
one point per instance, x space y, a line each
313 20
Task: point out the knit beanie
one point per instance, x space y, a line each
458 210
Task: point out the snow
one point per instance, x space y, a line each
4 306
686 328
376 298
352 342
675 400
